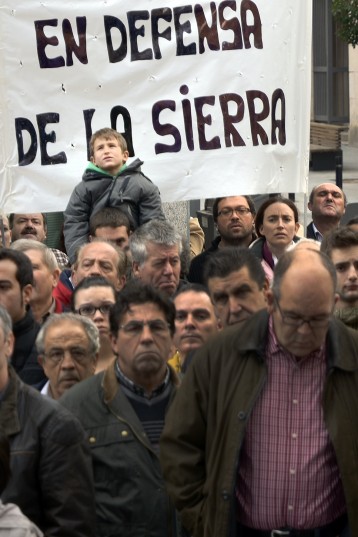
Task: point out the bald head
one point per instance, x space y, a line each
302 299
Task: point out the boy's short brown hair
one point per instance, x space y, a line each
107 134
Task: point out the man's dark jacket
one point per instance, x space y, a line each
51 470
24 357
196 269
130 493
206 423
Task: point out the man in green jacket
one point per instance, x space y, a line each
261 439
122 411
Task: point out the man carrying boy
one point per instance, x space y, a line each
109 182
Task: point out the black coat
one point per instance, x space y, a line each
51 470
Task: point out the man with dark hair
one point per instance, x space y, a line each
16 285
122 411
328 204
341 245
237 284
234 217
260 438
195 323
51 479
34 226
111 224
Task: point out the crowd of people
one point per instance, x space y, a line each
141 398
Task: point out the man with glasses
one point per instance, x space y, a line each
67 346
122 410
234 217
260 439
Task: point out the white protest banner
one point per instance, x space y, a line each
214 97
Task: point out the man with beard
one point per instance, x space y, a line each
16 287
341 245
328 204
34 226
234 217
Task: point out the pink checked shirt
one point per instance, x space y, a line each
288 474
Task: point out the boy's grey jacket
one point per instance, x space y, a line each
130 191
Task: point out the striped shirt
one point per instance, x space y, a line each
288 473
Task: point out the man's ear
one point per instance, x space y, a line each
135 269
309 205
266 287
27 293
270 300
9 345
40 360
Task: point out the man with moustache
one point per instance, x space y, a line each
67 347
234 217
34 226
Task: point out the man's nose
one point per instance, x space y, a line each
168 269
352 272
189 321
234 305
67 362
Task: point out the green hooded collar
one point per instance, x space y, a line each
92 167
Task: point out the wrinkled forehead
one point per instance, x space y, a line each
161 251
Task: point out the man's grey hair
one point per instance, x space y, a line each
159 232
88 326
5 321
48 257
122 257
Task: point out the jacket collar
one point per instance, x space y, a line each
341 342
111 385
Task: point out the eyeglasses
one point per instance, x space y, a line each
56 356
135 328
227 212
296 321
89 310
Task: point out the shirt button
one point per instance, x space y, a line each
241 415
292 471
225 495
290 507
294 435
124 433
295 401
